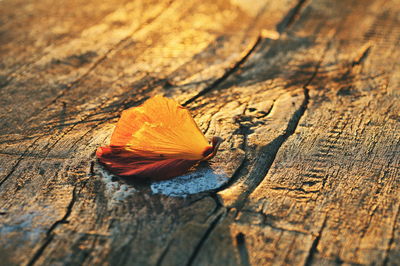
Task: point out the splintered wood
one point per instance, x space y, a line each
305 94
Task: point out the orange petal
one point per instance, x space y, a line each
157 140
160 126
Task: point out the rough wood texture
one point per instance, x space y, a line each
305 93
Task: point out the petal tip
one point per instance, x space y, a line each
210 151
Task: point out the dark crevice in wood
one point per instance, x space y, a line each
49 233
392 237
314 245
40 251
253 23
295 189
99 110
251 48
218 202
282 26
265 223
163 254
238 172
286 229
291 17
375 196
13 141
242 129
4 81
91 170
266 113
212 117
84 135
197 199
73 125
362 57
19 160
241 245
33 155
273 148
61 124
317 67
48 149
49 146
245 161
218 206
199 245
13 73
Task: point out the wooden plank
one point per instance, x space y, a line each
310 121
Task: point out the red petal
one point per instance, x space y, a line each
126 163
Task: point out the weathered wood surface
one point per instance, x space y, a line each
306 94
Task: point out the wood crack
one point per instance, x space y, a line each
245 161
49 233
245 54
200 244
19 160
299 189
314 245
375 204
164 253
391 240
273 147
363 56
291 17
265 223
32 155
218 208
241 246
60 124
211 119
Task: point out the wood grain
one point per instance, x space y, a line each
305 94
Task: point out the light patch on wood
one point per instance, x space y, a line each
203 179
114 190
17 229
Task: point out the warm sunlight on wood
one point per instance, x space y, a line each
108 112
